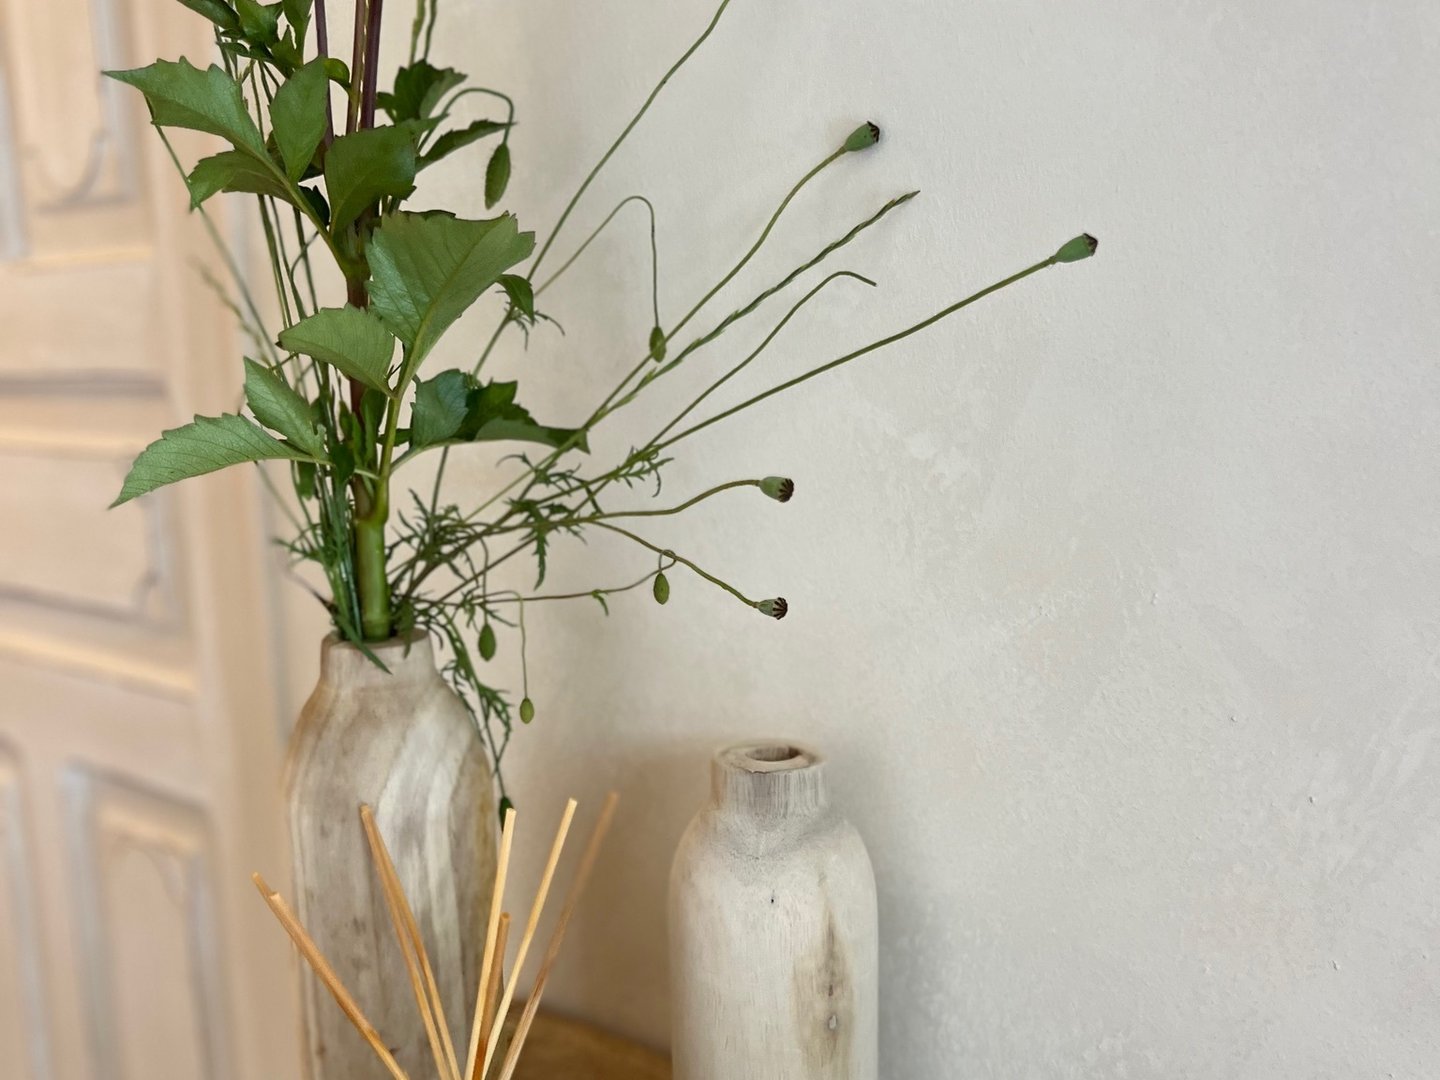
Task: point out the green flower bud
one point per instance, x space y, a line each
779 488
862 138
497 175
775 608
1082 247
487 642
662 588
657 344
527 711
505 807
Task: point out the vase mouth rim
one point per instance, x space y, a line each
408 656
769 756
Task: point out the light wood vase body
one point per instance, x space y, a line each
773 939
405 744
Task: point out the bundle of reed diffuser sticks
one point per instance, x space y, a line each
495 994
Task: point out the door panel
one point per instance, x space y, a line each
139 734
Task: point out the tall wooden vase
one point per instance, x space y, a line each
402 742
772 928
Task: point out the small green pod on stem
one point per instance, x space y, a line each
487 642
779 488
527 711
661 588
1082 247
862 138
776 608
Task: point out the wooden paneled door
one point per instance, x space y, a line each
139 729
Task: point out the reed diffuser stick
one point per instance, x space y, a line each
535 910
412 949
311 952
488 957
492 989
557 937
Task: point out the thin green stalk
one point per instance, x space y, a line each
223 248
654 253
565 215
743 364
669 554
759 243
890 340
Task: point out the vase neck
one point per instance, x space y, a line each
409 659
768 782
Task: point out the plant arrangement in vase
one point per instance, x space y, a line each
340 392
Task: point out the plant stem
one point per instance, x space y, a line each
715 19
668 554
371 579
914 329
322 50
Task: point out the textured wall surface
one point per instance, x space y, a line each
1113 599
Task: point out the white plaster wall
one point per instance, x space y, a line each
1113 600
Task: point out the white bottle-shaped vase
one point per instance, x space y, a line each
773 940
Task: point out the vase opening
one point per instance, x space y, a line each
774 753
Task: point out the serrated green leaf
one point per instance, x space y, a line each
529 431
232 170
297 116
277 406
450 141
350 340
366 166
181 95
426 269
260 23
297 12
497 175
418 89
441 404
217 11
206 445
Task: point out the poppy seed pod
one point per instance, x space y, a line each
779 488
1082 247
662 588
775 608
527 711
487 642
863 137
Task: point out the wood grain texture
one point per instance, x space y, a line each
561 1049
403 743
773 936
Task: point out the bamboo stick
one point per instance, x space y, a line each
535 910
557 937
492 989
311 952
487 959
412 949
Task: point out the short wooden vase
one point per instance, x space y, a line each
399 740
772 928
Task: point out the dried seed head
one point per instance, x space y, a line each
775 608
661 588
779 488
1082 247
863 137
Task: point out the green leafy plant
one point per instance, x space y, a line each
341 394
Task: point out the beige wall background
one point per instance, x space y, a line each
1113 600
